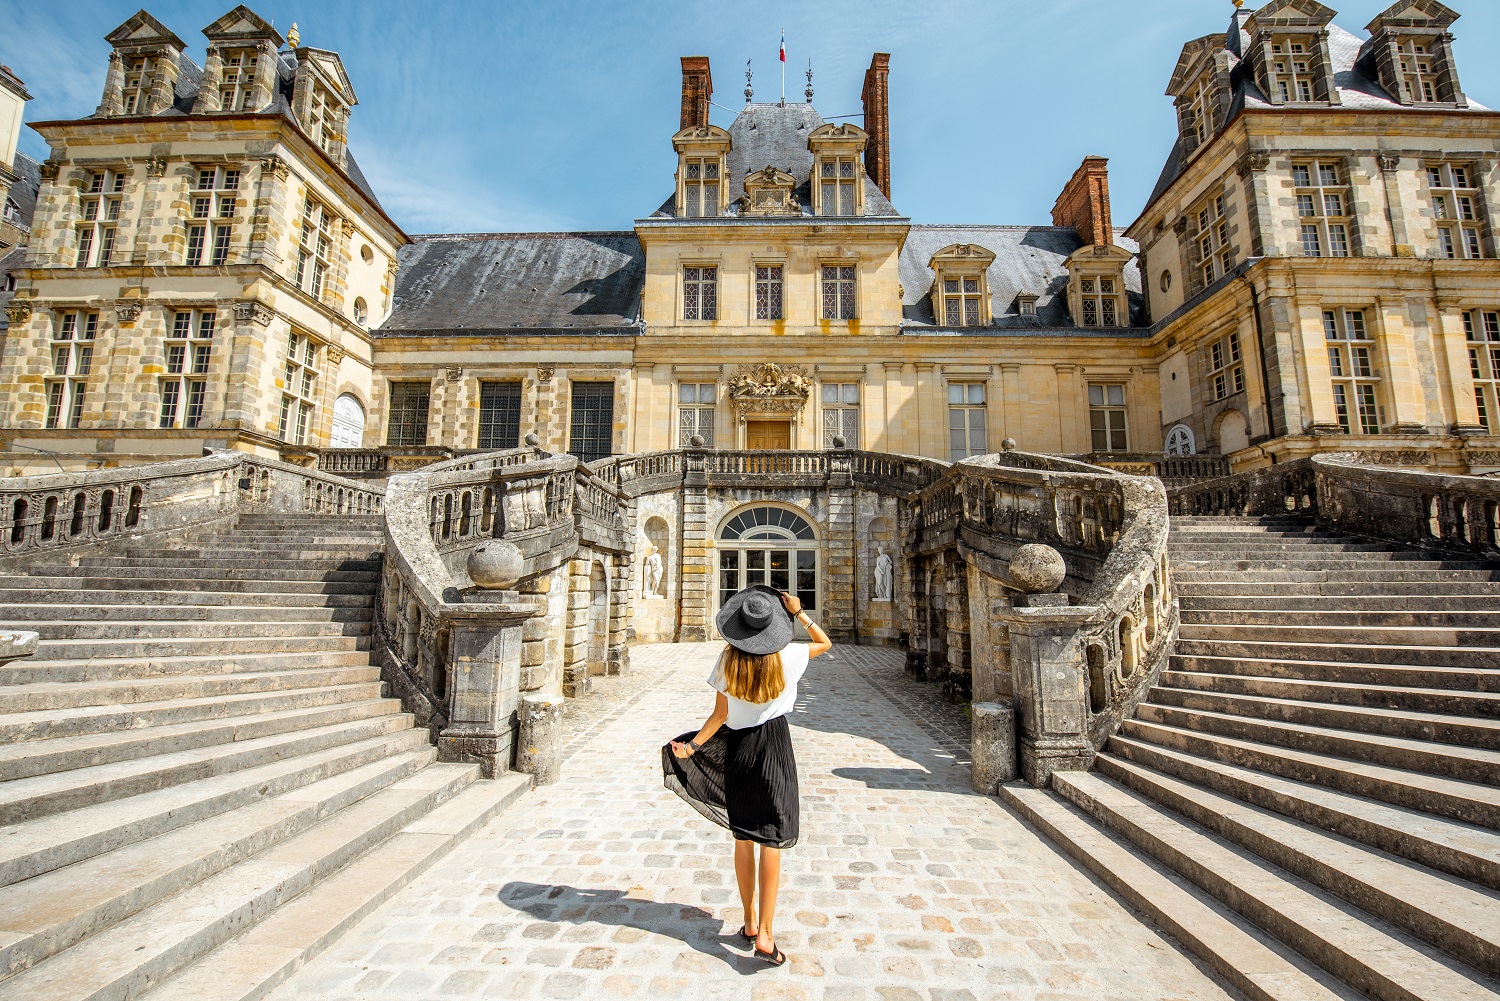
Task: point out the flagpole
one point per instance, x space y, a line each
783 67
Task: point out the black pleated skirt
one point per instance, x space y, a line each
743 780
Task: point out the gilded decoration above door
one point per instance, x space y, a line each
768 390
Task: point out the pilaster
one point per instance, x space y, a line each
929 387
838 550
1318 414
694 571
1390 172
1454 350
1408 414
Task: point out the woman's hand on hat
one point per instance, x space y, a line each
792 604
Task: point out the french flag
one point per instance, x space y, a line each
783 45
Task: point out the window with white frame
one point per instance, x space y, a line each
99 218
1107 424
1351 366
407 424
314 243
238 79
1455 208
961 301
1322 208
72 359
136 92
1418 81
1099 301
299 388
700 186
184 387
966 425
1201 122
768 292
841 413
837 176
1226 372
838 292
700 293
1482 332
695 412
1215 257
211 208
323 113
1292 69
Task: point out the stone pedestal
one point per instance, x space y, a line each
539 749
484 673
1051 690
994 746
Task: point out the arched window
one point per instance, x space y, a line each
1180 441
348 423
769 545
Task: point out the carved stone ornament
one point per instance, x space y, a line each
1254 163
1398 457
18 312
1483 458
1389 162
256 311
350 229
1180 226
335 354
544 373
769 389
128 311
48 170
455 373
156 166
768 192
276 167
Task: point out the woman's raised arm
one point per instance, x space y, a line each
820 641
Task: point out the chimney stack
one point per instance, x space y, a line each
877 101
1084 203
697 90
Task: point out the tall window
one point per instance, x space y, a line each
238 79
592 431
1292 70
297 399
1226 374
768 292
841 413
185 386
323 118
1099 298
695 412
961 301
1214 255
99 211
210 229
700 293
1322 208
1482 331
138 83
1455 208
1201 113
966 430
407 424
1107 417
72 358
1418 82
700 186
1351 366
838 292
314 242
838 175
499 415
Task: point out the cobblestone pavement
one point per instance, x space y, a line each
905 886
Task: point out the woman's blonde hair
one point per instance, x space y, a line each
751 677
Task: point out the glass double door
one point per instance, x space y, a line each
786 568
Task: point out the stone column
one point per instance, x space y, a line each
621 586
207 101
484 675
551 422
1047 668
248 346
1489 203
539 748
269 221
838 551
576 667
1408 410
694 571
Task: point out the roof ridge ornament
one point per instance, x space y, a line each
293 37
809 91
749 87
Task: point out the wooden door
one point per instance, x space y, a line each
768 434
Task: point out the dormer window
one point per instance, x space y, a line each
137 91
700 187
961 301
702 176
322 119
838 175
1413 53
1417 80
960 288
1202 113
238 79
1026 303
1100 300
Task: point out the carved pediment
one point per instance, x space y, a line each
847 130
1414 14
242 25
143 30
1289 14
701 137
962 253
768 192
769 380
1192 60
330 67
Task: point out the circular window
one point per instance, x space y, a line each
1180 441
361 310
1166 281
366 253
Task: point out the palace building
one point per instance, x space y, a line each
1315 271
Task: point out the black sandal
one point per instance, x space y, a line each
774 958
746 935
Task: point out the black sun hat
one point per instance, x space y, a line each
754 620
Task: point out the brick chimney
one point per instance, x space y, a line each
1084 202
877 101
697 89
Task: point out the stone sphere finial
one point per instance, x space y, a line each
532 439
1008 445
496 565
839 441
1037 569
696 441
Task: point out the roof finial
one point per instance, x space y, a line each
808 91
294 36
1238 4
749 90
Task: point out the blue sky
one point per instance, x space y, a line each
557 114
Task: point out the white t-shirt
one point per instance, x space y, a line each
742 714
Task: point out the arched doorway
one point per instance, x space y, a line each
1234 434
598 620
348 423
768 544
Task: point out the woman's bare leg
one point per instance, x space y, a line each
744 874
770 882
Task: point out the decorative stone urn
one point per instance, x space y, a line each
1037 569
496 565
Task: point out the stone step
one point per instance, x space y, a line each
43 844
1344 693
251 965
1254 962
1469 802
141 951
1289 602
1467 764
43 757
291 549
1464 850
1322 547
1358 653
1194 614
21 616
182 588
47 913
1291 632
134 629
1360 949
32 671
1459 679
1210 534
1424 590
190 647
229 560
1439 728
44 696
344 596
181 575
98 719
1384 574
24 799
1268 566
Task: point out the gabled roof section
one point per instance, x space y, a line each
143 29
1414 14
242 23
1290 14
1190 62
331 67
28 182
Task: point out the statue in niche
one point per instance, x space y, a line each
654 574
884 574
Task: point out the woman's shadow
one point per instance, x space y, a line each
694 927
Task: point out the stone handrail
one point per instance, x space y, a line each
1412 508
1286 488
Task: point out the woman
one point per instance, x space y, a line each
739 770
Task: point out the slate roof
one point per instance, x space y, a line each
28 182
513 283
1027 259
9 261
770 135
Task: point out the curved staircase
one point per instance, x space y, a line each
1309 797
203 782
